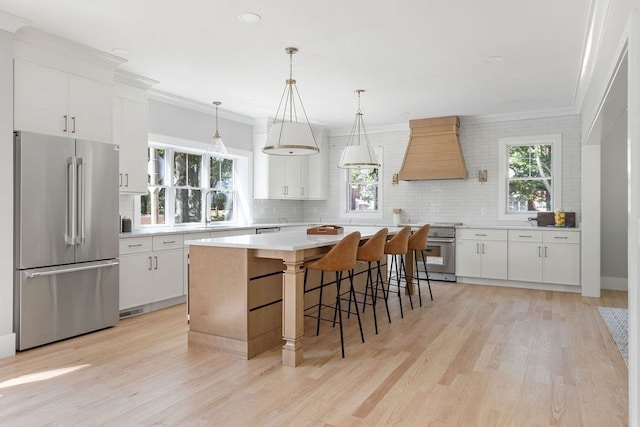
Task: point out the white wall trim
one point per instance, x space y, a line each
12 23
190 104
7 345
614 283
58 45
555 140
525 115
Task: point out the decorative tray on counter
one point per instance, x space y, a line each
325 229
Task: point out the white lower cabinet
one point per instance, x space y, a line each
481 253
545 256
150 269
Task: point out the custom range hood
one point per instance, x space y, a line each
434 151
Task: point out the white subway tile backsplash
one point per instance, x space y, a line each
455 200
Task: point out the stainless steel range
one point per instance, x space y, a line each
441 252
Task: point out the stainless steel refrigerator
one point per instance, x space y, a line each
66 237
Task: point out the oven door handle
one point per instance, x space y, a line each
440 240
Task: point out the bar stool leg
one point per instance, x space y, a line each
394 263
339 309
368 284
353 293
424 262
417 273
404 270
320 302
385 293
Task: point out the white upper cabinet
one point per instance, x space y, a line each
55 102
291 177
130 132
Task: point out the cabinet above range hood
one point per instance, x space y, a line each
434 151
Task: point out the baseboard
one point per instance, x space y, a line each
7 345
614 283
521 285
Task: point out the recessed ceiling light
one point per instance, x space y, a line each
120 51
249 17
493 59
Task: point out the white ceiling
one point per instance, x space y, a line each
415 58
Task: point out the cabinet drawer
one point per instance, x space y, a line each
169 241
561 237
525 236
135 245
481 234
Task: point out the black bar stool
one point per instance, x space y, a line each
418 243
397 247
373 251
341 258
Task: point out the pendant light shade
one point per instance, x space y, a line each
217 146
358 152
289 136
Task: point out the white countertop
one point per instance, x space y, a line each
286 240
184 229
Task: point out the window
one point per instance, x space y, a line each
362 190
187 187
529 175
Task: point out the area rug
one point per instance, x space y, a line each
616 320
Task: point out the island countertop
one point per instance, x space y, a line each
286 240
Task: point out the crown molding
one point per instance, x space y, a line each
12 23
190 104
524 115
59 45
135 80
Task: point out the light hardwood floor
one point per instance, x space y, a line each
477 355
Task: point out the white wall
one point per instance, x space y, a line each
620 31
467 201
614 200
7 337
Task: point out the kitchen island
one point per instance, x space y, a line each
246 293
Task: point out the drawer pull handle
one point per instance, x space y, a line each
560 237
169 242
135 245
482 235
524 236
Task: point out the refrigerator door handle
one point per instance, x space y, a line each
54 271
70 222
80 239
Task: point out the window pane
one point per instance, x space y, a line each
221 173
188 206
152 207
226 174
215 172
364 175
527 161
221 206
363 197
530 195
186 169
155 166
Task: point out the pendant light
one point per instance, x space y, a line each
358 152
288 136
217 145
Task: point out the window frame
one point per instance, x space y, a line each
344 193
204 177
555 141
